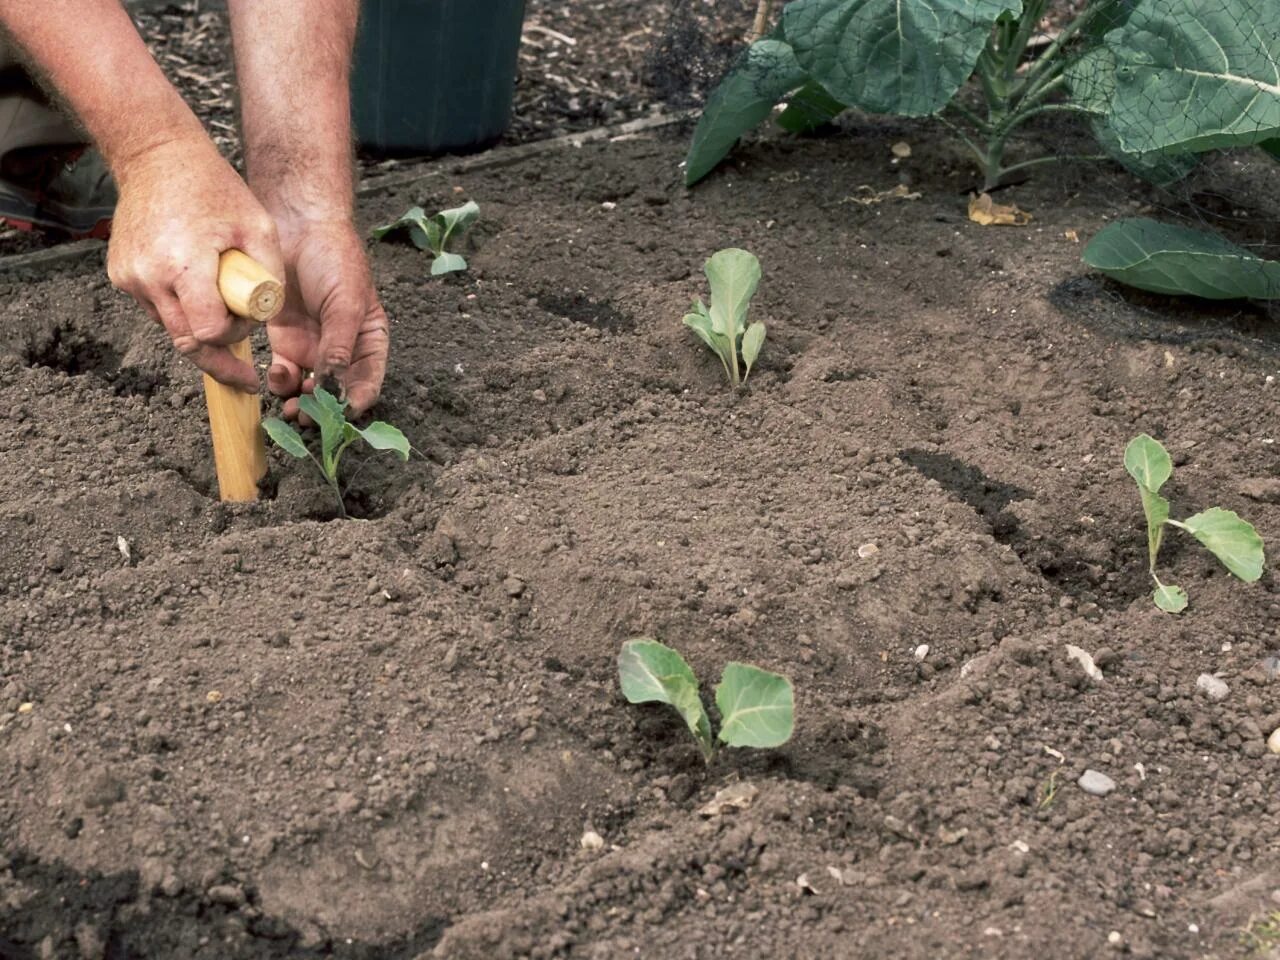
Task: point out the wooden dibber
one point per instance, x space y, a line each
235 417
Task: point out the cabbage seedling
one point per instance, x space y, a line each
756 707
433 233
1228 537
336 434
734 276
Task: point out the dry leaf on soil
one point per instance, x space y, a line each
985 211
736 796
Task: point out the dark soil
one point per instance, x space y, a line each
265 733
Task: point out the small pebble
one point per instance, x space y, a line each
514 586
1271 666
1273 741
1212 687
921 652
1095 783
227 894
868 550
592 841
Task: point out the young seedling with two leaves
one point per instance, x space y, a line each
734 276
336 435
434 233
1228 537
757 708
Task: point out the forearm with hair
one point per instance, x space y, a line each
293 59
90 54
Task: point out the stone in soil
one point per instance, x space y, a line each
1095 783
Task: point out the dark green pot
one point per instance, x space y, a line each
434 76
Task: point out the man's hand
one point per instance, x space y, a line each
333 325
180 206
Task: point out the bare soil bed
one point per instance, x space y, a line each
266 733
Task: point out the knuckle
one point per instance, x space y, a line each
186 344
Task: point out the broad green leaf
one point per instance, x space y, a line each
752 341
1196 76
1161 168
1169 598
757 708
763 75
809 108
413 217
651 672
1169 259
734 275
1156 509
700 324
1230 539
285 437
1148 462
433 239
456 219
326 410
1107 15
1091 78
447 263
383 436
421 236
906 57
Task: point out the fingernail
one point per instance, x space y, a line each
331 384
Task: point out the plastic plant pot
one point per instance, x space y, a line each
434 76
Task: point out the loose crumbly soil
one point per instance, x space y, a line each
267 733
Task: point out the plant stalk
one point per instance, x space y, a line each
761 22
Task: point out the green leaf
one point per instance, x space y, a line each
1197 76
383 436
1169 598
325 409
809 108
285 437
1231 539
413 217
1169 259
734 275
765 73
700 324
757 708
651 672
422 236
1156 509
447 263
1148 462
1091 78
1161 168
457 218
906 57
752 341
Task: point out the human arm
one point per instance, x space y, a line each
293 59
180 203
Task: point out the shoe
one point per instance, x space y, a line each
67 189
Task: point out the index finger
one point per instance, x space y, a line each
205 314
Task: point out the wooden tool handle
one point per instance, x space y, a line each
247 288
235 417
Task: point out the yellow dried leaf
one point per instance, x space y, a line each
988 213
1072 236
26 707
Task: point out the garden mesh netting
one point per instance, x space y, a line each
1183 93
